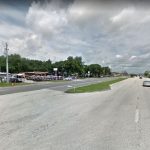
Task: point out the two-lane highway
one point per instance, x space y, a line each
47 119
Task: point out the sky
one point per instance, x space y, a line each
112 33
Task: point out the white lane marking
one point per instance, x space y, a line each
69 86
136 116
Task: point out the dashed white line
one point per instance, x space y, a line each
69 86
136 116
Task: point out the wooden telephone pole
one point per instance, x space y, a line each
7 68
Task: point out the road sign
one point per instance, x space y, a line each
55 69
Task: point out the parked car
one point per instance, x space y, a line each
68 79
14 80
146 83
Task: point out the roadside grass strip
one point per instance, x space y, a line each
3 84
94 87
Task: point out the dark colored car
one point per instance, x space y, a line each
14 80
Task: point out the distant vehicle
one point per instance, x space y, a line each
68 79
17 78
14 80
3 77
146 83
140 77
4 74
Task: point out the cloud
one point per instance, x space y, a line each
96 34
125 14
119 56
11 15
131 17
106 33
45 19
132 58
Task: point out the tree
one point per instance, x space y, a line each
71 66
106 71
2 64
147 74
95 70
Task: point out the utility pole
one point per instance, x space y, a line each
7 70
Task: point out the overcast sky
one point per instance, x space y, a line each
111 33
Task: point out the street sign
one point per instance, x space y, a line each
55 69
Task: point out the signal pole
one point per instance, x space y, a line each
7 69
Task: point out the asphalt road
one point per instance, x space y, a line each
59 86
118 119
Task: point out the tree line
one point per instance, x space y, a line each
70 66
147 74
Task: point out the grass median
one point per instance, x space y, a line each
95 87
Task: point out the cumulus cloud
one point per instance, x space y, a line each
125 14
132 58
119 56
45 19
131 17
106 33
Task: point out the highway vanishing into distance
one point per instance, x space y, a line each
49 119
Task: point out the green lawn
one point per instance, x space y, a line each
4 84
95 87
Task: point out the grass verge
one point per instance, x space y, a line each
94 87
4 84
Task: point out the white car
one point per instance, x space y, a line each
68 79
146 83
